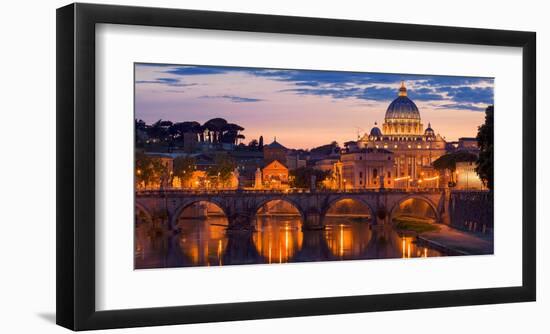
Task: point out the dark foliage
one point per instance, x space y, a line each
485 139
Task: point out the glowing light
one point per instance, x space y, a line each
220 252
341 240
270 250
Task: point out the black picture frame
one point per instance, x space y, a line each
76 160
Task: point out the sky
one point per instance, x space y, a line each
306 108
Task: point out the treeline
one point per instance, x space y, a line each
216 130
151 171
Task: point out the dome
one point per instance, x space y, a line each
375 131
402 107
429 131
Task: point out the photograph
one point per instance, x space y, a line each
242 165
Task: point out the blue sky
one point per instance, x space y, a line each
305 108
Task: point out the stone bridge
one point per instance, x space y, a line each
241 206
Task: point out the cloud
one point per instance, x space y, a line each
172 82
458 91
340 85
152 65
460 106
368 94
197 70
236 99
469 94
438 81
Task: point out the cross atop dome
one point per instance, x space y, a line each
403 89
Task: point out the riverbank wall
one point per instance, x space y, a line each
472 211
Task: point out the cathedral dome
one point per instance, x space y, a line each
429 131
402 108
375 131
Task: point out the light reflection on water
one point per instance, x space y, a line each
278 239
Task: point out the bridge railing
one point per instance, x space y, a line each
174 191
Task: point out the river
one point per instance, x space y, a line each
277 239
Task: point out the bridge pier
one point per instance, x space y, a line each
240 221
313 221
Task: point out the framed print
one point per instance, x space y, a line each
223 166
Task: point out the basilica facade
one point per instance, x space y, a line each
400 155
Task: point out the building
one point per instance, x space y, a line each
464 144
275 151
275 175
367 168
404 142
466 177
296 159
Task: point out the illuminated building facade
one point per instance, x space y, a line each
367 168
275 175
466 177
402 152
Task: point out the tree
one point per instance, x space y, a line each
140 124
184 168
159 130
215 128
253 144
143 169
301 177
230 133
220 173
150 170
261 143
177 130
160 172
485 140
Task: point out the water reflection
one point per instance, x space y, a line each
278 239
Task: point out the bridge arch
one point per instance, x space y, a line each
419 197
293 203
180 209
138 207
332 201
